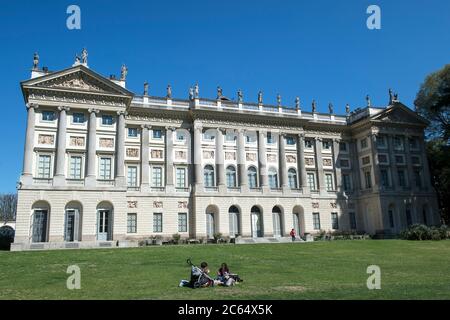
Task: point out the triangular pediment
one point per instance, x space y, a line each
77 79
399 113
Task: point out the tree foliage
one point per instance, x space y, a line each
8 205
433 103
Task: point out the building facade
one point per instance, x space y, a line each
104 166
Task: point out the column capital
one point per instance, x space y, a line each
93 110
146 126
63 108
301 135
318 139
32 105
170 128
122 113
222 130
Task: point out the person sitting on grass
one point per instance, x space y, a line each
225 277
199 277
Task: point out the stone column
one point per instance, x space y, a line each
169 160
376 168
120 149
319 165
198 156
282 162
392 163
91 176
220 163
301 163
60 177
355 172
426 168
27 171
409 166
145 158
337 166
241 160
262 159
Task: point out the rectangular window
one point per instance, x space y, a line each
381 142
382 158
346 182
230 137
105 169
131 223
107 120
334 221
401 178
157 134
157 176
384 178
398 143
290 141
366 160
48 115
132 132
352 217
363 143
316 220
399 159
413 144
182 222
270 138
308 144
311 181
368 179
326 145
181 177
417 178
344 163
343 146
157 222
75 167
180 136
44 165
78 117
132 176
329 182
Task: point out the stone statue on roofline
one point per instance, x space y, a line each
196 91
347 109
297 103
260 97
145 88
219 92
169 92
314 106
369 103
391 96
330 108
123 72
191 93
84 56
279 100
240 95
35 61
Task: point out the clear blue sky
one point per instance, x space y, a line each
315 49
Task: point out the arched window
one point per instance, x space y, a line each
276 219
208 176
231 177
252 177
256 222
273 178
292 178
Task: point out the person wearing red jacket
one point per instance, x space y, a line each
292 234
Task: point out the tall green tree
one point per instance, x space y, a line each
433 103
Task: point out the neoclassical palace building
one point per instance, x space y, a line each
104 166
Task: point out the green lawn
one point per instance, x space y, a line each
319 270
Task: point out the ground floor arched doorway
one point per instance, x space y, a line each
256 222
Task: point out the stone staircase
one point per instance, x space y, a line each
240 240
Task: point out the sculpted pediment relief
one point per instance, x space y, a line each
398 114
79 79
